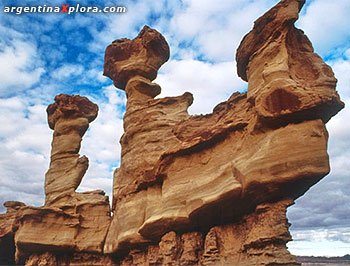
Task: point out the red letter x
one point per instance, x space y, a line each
64 8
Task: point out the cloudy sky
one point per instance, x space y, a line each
42 55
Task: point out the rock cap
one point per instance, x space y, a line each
71 106
142 56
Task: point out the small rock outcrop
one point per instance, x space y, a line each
7 224
190 190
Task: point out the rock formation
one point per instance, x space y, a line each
69 117
204 171
257 239
71 223
287 81
191 190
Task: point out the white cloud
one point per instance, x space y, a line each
214 27
67 71
11 110
209 83
31 133
24 151
321 242
96 74
327 24
341 69
18 69
323 234
347 53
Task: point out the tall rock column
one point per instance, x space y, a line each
148 124
71 227
69 117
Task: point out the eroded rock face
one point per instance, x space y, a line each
70 223
191 190
75 259
191 173
257 239
287 81
69 117
77 225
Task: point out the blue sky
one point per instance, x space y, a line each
42 55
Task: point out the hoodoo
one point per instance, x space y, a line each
190 190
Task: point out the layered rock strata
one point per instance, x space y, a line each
287 81
205 171
71 223
257 239
69 117
190 190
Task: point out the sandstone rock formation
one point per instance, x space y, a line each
203 171
141 58
258 239
191 190
69 117
287 81
71 223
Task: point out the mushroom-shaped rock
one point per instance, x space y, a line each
143 56
69 117
71 106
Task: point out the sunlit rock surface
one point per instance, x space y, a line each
71 222
190 190
190 173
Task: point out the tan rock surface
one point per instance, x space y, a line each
80 224
7 221
201 171
191 190
147 122
256 239
286 79
70 222
69 117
